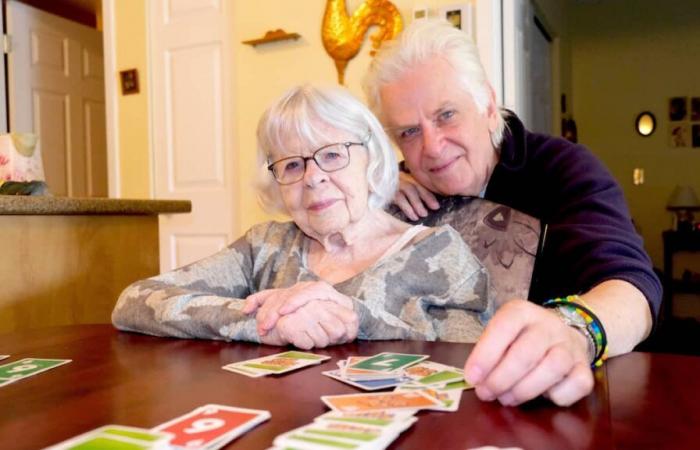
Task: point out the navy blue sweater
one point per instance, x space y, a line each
590 236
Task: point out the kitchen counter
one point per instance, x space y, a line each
64 261
42 205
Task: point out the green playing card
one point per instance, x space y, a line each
116 437
27 367
388 362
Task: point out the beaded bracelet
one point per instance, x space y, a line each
594 327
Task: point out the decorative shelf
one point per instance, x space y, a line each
273 36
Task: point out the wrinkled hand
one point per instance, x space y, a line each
317 324
527 351
412 198
271 304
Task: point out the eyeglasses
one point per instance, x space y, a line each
329 158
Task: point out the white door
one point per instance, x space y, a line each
56 90
190 61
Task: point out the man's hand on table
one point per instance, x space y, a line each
527 351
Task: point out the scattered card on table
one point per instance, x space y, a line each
448 399
367 385
387 362
211 426
380 401
116 437
27 367
432 373
3 357
276 364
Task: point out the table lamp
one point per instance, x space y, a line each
683 202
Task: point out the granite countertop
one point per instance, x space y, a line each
46 205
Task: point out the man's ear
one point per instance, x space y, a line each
492 112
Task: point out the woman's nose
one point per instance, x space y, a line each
313 174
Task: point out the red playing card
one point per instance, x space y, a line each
212 423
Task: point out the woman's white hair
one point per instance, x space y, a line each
421 41
299 116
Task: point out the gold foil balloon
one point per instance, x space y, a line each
343 35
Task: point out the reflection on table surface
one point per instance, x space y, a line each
641 400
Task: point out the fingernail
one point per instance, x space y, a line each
474 375
507 399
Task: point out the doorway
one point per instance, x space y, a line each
55 89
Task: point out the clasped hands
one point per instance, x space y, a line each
307 315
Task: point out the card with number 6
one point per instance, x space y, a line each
211 426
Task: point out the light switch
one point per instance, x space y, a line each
638 176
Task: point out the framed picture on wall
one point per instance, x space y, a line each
678 134
460 16
420 13
695 108
678 108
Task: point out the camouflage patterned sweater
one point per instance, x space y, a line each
434 289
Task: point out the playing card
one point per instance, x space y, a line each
27 367
361 374
3 357
327 434
387 362
367 385
211 426
380 401
276 364
430 373
396 424
247 371
449 399
378 418
116 437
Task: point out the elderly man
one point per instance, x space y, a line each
430 91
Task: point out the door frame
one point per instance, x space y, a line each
111 96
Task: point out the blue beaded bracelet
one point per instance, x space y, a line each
594 326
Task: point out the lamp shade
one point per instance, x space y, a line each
683 197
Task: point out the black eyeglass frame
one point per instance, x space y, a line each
306 159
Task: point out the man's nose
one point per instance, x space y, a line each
433 141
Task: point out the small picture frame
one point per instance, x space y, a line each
695 109
678 108
420 13
695 135
129 81
678 134
460 16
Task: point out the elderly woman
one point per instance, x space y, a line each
343 268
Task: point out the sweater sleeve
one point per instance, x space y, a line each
201 300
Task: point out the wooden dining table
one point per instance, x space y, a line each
640 400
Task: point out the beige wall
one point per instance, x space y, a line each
261 74
264 72
626 59
133 133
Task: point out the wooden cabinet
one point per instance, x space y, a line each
65 261
675 242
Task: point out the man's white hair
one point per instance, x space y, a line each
420 42
296 116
